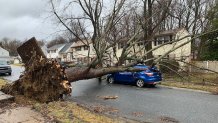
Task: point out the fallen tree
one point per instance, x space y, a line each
45 79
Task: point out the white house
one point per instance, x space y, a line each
66 53
180 34
4 54
81 51
78 51
54 51
183 52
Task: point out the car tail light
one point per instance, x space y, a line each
149 74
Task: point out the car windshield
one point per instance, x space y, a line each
3 62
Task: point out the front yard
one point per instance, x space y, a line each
199 81
62 111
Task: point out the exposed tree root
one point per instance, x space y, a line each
44 80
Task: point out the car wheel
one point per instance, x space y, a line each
140 83
111 80
9 74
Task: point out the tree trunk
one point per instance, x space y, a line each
149 30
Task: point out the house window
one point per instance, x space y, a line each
78 48
140 44
52 51
86 47
171 37
64 56
160 40
167 57
120 45
166 39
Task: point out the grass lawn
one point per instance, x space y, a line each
2 82
199 81
68 112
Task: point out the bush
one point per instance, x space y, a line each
166 65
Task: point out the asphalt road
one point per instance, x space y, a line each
16 71
157 105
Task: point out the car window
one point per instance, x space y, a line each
140 66
3 63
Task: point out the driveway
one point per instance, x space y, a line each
157 105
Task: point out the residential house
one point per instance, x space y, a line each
54 51
66 53
183 52
4 54
81 52
76 52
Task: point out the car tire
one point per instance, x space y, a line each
9 74
140 83
110 80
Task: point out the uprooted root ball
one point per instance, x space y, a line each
43 80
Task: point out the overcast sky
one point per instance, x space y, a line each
23 19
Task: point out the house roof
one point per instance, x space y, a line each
81 43
55 47
66 47
168 32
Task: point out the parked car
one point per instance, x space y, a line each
150 76
5 68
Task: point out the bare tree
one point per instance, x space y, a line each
57 40
10 45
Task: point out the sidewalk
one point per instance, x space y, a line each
5 98
20 115
12 113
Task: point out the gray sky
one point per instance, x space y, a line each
23 19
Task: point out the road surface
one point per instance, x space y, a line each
16 71
157 105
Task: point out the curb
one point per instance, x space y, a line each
186 89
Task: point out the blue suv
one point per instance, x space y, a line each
150 76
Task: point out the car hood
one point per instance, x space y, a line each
5 66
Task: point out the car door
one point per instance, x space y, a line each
125 77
